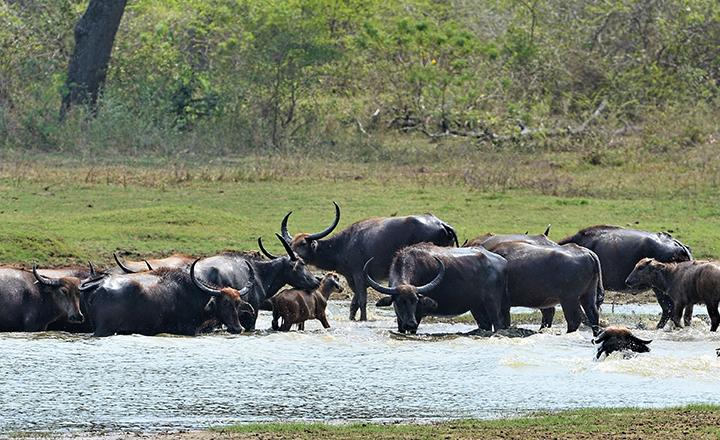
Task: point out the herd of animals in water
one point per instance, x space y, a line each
416 262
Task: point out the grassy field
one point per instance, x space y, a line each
68 214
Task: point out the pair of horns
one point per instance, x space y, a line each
127 269
216 292
393 290
317 236
56 283
286 245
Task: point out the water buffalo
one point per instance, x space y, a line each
544 276
450 282
686 283
616 338
230 269
296 306
164 301
174 261
347 251
84 274
30 301
488 240
620 249
491 239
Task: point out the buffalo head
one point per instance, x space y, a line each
65 293
409 301
644 273
227 304
305 244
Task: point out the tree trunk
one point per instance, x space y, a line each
94 38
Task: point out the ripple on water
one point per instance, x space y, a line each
352 371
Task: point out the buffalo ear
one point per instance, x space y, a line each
385 301
428 303
314 245
210 306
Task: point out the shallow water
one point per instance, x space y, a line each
353 371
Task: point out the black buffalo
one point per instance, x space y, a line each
164 301
616 338
543 276
451 282
231 269
347 251
30 301
488 240
620 249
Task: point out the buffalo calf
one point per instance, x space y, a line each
616 338
295 306
686 283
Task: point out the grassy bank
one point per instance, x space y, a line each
59 213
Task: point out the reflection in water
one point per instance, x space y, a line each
352 371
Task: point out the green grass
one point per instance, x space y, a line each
693 421
68 214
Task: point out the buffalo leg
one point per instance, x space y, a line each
573 315
547 317
666 304
589 306
687 317
301 326
323 320
482 317
678 313
359 300
712 309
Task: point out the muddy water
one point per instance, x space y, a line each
353 371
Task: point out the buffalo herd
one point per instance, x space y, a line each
415 262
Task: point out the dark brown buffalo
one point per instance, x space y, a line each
686 283
30 301
295 306
347 251
230 269
174 261
616 338
620 249
543 276
164 301
491 239
84 274
451 281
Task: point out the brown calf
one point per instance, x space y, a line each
688 282
296 306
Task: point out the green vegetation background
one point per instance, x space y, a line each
220 117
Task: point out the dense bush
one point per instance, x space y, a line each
237 76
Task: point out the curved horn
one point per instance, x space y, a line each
374 284
434 283
122 266
283 228
92 274
327 231
287 247
547 231
46 281
641 341
148 265
200 285
250 282
264 251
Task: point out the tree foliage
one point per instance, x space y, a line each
275 74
